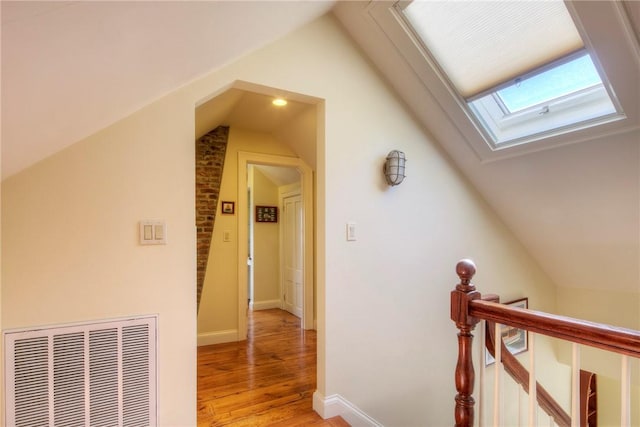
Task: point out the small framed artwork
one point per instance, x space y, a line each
516 340
228 208
266 214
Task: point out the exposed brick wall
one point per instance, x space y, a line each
210 150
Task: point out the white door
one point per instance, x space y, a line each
292 254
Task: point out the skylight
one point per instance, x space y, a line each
520 69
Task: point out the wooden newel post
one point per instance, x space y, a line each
464 293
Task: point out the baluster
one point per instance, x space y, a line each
575 385
497 385
520 410
533 398
483 371
464 293
625 393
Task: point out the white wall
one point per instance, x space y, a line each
386 343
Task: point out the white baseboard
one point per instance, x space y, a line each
265 305
218 337
334 405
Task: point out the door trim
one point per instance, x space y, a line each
306 186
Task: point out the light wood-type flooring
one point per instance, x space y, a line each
267 380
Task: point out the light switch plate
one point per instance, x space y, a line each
153 233
351 232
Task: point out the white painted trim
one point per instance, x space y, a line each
218 337
265 305
334 405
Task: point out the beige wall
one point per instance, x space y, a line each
218 314
266 244
615 308
70 240
385 297
70 251
1 326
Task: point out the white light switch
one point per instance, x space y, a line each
153 233
226 236
148 232
158 231
351 232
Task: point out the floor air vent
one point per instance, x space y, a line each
97 374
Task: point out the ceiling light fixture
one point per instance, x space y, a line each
279 102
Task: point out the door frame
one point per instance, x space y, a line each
306 186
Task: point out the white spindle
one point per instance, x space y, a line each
533 398
575 386
483 365
497 395
519 406
625 393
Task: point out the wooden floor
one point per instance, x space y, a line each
267 380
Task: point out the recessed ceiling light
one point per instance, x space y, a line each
279 102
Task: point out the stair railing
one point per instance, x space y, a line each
468 308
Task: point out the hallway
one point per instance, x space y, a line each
267 380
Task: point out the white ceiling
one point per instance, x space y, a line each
70 69
246 109
280 175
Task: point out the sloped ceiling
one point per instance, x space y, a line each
72 68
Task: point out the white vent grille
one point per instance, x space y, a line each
98 374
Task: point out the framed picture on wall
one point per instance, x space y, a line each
516 340
228 208
266 214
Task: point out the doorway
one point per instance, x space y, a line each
300 292
276 239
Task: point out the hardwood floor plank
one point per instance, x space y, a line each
267 380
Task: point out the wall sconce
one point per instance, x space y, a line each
394 167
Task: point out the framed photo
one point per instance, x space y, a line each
228 208
516 340
266 214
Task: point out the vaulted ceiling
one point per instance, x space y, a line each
72 68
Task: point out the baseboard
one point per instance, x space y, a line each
218 337
265 305
334 405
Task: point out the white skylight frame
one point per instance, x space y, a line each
502 129
415 75
577 110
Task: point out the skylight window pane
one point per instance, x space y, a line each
570 77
